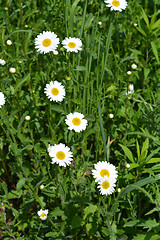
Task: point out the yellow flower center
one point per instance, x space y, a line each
60 155
105 185
55 91
71 45
115 3
43 215
76 121
46 42
104 172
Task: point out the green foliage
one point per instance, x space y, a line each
97 84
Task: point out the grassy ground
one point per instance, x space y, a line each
97 84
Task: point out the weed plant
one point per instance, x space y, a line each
120 103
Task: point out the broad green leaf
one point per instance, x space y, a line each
91 209
140 237
145 18
20 183
149 224
154 152
133 165
57 108
20 82
57 212
140 183
144 150
154 160
127 152
151 211
76 222
131 223
14 194
156 24
155 50
146 72
138 149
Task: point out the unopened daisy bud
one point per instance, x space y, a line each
131 87
129 72
43 214
55 52
111 115
20 61
68 78
100 23
27 118
26 26
133 66
12 70
6 8
9 42
119 190
127 165
41 187
2 99
135 24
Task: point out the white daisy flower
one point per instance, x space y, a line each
43 214
106 186
116 5
104 169
55 91
46 42
2 62
60 154
72 44
76 122
2 99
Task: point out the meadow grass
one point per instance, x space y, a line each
121 109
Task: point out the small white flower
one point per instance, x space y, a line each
43 214
134 66
46 42
12 70
104 169
27 118
129 72
76 122
127 165
135 24
111 115
2 99
72 44
55 91
106 186
9 42
60 154
2 62
116 5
